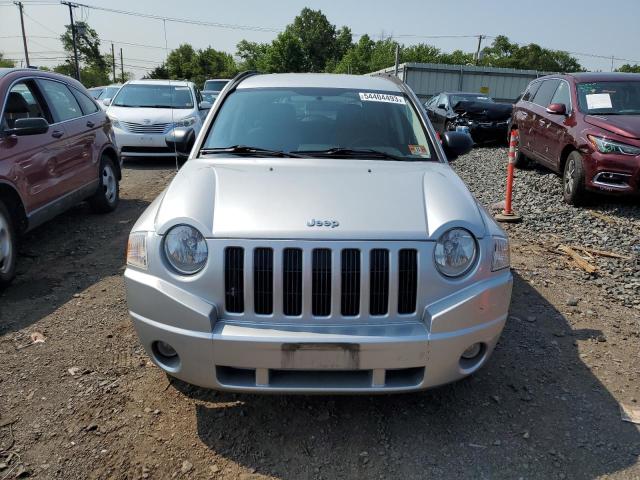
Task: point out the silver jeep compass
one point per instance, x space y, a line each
317 241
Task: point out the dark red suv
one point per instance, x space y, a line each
57 148
584 126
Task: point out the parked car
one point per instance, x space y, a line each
103 93
318 241
208 99
485 119
215 84
585 127
144 111
57 148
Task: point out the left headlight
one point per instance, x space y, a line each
185 122
455 252
114 122
604 145
185 249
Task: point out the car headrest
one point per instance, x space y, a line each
16 103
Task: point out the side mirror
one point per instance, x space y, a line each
442 106
204 105
106 102
28 126
181 140
557 109
456 144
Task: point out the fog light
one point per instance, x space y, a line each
166 350
472 352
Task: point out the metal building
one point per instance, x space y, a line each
428 79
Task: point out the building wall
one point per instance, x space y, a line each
428 79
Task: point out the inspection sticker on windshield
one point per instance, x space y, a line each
598 100
382 97
418 150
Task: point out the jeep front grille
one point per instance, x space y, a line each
320 282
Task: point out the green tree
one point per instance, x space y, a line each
420 53
6 63
285 54
357 59
187 63
628 68
503 53
252 55
316 36
94 67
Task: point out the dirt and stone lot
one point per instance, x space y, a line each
87 403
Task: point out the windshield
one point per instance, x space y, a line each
215 85
154 96
609 98
469 97
109 92
209 96
317 120
96 92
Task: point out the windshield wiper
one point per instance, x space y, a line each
355 153
246 150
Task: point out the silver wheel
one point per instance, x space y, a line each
6 245
109 183
569 176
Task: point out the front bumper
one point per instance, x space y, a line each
255 356
489 131
142 145
612 173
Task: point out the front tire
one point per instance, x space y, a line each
8 250
107 196
574 191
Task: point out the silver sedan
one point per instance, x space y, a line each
317 241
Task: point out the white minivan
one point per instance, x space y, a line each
144 111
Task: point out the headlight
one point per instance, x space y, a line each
501 255
137 250
185 122
115 122
455 252
609 146
185 249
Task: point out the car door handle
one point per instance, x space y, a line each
57 134
90 124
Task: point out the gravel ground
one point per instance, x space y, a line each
88 403
609 224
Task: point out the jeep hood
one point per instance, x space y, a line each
352 199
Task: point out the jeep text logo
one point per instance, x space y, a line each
323 223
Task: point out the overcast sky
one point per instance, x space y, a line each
585 26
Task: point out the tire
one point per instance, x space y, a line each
573 188
8 250
107 196
521 161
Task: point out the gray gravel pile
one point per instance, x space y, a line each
608 224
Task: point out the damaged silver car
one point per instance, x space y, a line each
317 241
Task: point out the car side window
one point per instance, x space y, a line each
23 101
442 100
88 105
545 92
531 91
562 95
62 102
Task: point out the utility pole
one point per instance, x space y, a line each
24 36
113 63
480 37
612 58
73 36
397 58
121 66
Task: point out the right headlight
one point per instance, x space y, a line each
185 249
455 252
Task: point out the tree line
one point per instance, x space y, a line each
311 43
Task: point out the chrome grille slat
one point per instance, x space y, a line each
407 281
143 128
292 282
379 282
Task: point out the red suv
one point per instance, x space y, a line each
585 126
57 148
